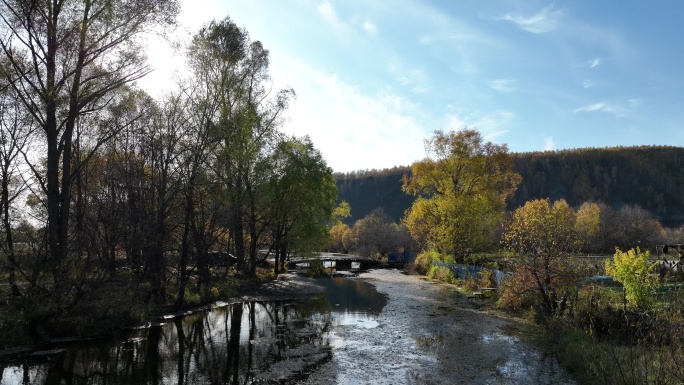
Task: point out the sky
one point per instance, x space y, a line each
374 79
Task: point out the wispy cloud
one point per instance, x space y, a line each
595 63
433 39
591 108
503 85
370 27
412 77
328 13
420 89
491 124
543 21
636 102
587 84
601 107
549 145
415 78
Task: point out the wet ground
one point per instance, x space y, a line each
382 327
428 334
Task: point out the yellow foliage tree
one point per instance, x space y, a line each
544 237
461 191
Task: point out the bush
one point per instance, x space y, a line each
316 268
424 260
441 274
632 269
516 293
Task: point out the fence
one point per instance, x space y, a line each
467 271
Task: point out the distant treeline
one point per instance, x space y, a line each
651 177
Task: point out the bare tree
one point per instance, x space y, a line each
64 59
15 131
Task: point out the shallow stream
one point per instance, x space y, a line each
382 328
248 342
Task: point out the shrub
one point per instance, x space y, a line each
424 260
471 283
316 268
441 274
632 269
517 292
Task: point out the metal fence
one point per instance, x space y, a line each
467 271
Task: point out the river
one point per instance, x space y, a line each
381 328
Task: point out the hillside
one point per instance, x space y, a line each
650 176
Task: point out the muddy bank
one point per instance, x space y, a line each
428 334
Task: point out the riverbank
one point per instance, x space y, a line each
431 334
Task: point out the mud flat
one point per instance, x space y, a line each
428 334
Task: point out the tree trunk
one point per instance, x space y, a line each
9 241
238 235
185 251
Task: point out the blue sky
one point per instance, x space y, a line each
375 78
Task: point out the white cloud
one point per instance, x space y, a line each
431 39
328 13
601 107
543 21
549 145
636 102
369 27
591 108
491 124
587 84
326 9
420 89
354 128
412 77
503 85
415 78
595 63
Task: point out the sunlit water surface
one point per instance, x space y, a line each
248 342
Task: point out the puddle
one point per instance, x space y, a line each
250 342
523 363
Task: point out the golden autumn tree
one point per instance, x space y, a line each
544 238
461 189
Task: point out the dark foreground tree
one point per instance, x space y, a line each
302 196
64 57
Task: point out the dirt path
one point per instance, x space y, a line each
427 334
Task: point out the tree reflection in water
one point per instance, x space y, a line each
229 345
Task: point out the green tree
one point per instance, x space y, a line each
632 268
233 72
302 196
341 212
461 192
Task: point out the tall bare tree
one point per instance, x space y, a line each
15 130
64 59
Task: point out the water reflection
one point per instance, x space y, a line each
237 344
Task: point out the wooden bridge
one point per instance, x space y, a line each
335 261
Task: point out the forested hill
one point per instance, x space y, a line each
649 176
366 191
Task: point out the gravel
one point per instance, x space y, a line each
429 334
